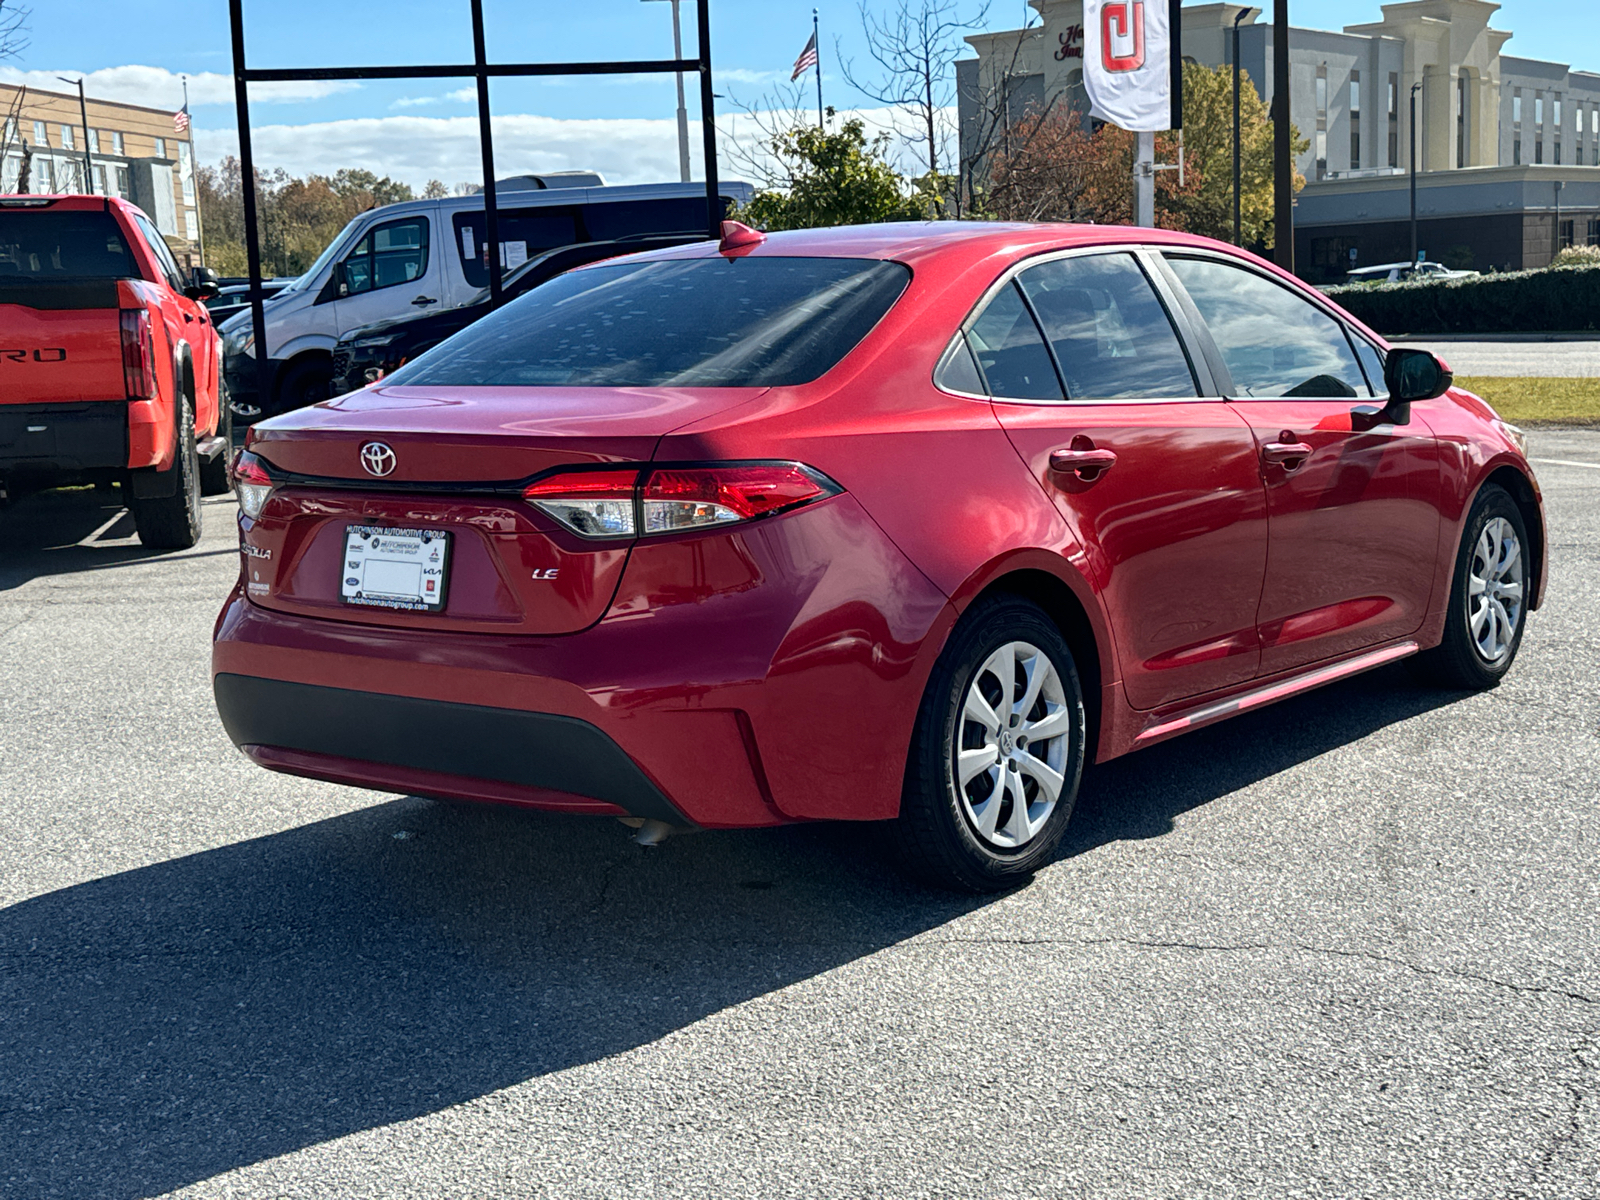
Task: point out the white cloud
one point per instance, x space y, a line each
467 95
156 87
416 149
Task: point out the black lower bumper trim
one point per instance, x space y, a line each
540 750
64 437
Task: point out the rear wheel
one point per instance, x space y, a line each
307 382
173 522
996 754
1488 597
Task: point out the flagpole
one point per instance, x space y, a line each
194 168
817 41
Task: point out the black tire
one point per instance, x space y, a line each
173 522
1459 661
214 479
308 382
936 835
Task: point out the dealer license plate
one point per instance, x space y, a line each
385 567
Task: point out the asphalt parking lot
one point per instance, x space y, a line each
1347 946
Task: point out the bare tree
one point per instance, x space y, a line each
915 46
13 29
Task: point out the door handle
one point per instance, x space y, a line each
424 300
1286 452
1087 464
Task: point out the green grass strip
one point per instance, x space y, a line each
1535 401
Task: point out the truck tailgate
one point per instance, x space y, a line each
60 342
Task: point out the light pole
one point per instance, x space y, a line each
83 110
1415 88
1238 220
1282 149
683 113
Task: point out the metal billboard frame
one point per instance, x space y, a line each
482 70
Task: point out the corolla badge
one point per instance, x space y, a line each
377 458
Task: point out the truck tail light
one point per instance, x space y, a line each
138 354
251 483
618 503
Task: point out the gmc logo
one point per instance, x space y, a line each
49 355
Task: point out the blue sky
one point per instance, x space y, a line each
419 129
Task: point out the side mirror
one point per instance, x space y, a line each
206 275
1412 375
204 290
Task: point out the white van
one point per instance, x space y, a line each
429 255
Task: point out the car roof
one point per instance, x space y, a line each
911 241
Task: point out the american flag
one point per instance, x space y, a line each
180 119
807 59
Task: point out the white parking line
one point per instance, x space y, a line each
1566 462
90 540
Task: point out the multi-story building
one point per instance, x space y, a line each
1508 149
133 151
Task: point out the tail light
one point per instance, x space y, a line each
138 354
251 483
619 503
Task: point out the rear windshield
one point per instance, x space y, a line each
702 322
63 245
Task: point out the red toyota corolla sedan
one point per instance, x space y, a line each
894 523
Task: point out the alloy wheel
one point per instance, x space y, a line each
1495 590
1012 745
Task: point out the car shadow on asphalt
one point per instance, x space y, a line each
70 530
170 1023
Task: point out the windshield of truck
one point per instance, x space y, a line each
38 245
697 322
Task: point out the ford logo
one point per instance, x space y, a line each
377 458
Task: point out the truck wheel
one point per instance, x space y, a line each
214 472
173 522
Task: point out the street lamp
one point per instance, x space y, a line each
1415 88
683 113
1238 223
83 110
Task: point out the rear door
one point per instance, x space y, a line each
1352 502
1157 478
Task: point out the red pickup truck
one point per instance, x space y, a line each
109 363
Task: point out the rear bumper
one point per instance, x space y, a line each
54 439
326 728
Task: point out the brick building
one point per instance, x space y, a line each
134 152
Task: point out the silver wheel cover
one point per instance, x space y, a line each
1494 591
1012 738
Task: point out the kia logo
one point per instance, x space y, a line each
377 458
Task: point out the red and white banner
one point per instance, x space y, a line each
1127 62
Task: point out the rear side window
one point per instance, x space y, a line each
37 245
701 322
1111 336
524 233
1010 350
1274 342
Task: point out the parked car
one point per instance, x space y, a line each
898 523
367 354
234 298
1390 272
109 362
426 256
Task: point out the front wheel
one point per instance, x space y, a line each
996 754
1488 597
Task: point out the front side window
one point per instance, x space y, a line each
756 321
158 247
1111 337
389 255
1372 363
1274 342
1010 350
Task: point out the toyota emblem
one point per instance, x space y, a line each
377 458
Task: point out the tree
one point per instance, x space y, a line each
435 190
831 178
1208 147
13 29
915 47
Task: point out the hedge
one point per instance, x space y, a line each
1557 299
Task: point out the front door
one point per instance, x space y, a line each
391 272
1158 484
1352 501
